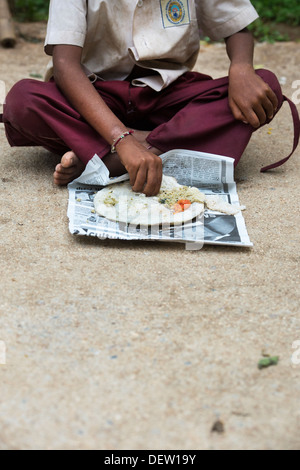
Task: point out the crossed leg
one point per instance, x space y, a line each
192 114
71 166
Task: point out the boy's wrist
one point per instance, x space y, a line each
118 140
241 68
241 65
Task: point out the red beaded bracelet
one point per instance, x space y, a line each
116 141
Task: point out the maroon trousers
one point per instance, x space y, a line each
192 113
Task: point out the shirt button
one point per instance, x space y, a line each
140 3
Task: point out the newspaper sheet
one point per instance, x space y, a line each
211 174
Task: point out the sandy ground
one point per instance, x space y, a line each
113 345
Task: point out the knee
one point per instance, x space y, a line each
19 101
271 79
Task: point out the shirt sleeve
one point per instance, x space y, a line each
66 23
219 19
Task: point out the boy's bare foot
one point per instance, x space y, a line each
114 165
68 169
71 167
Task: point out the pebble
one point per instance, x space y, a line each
218 427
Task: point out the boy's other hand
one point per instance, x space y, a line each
251 99
143 166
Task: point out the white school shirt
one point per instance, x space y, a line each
160 35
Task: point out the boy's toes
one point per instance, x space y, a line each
69 160
68 169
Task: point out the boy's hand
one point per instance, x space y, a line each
143 166
251 99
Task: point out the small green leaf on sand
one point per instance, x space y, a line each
35 75
268 361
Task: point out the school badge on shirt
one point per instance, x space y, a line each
174 12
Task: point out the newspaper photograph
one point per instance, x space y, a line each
213 175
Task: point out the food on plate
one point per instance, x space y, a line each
174 204
217 204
